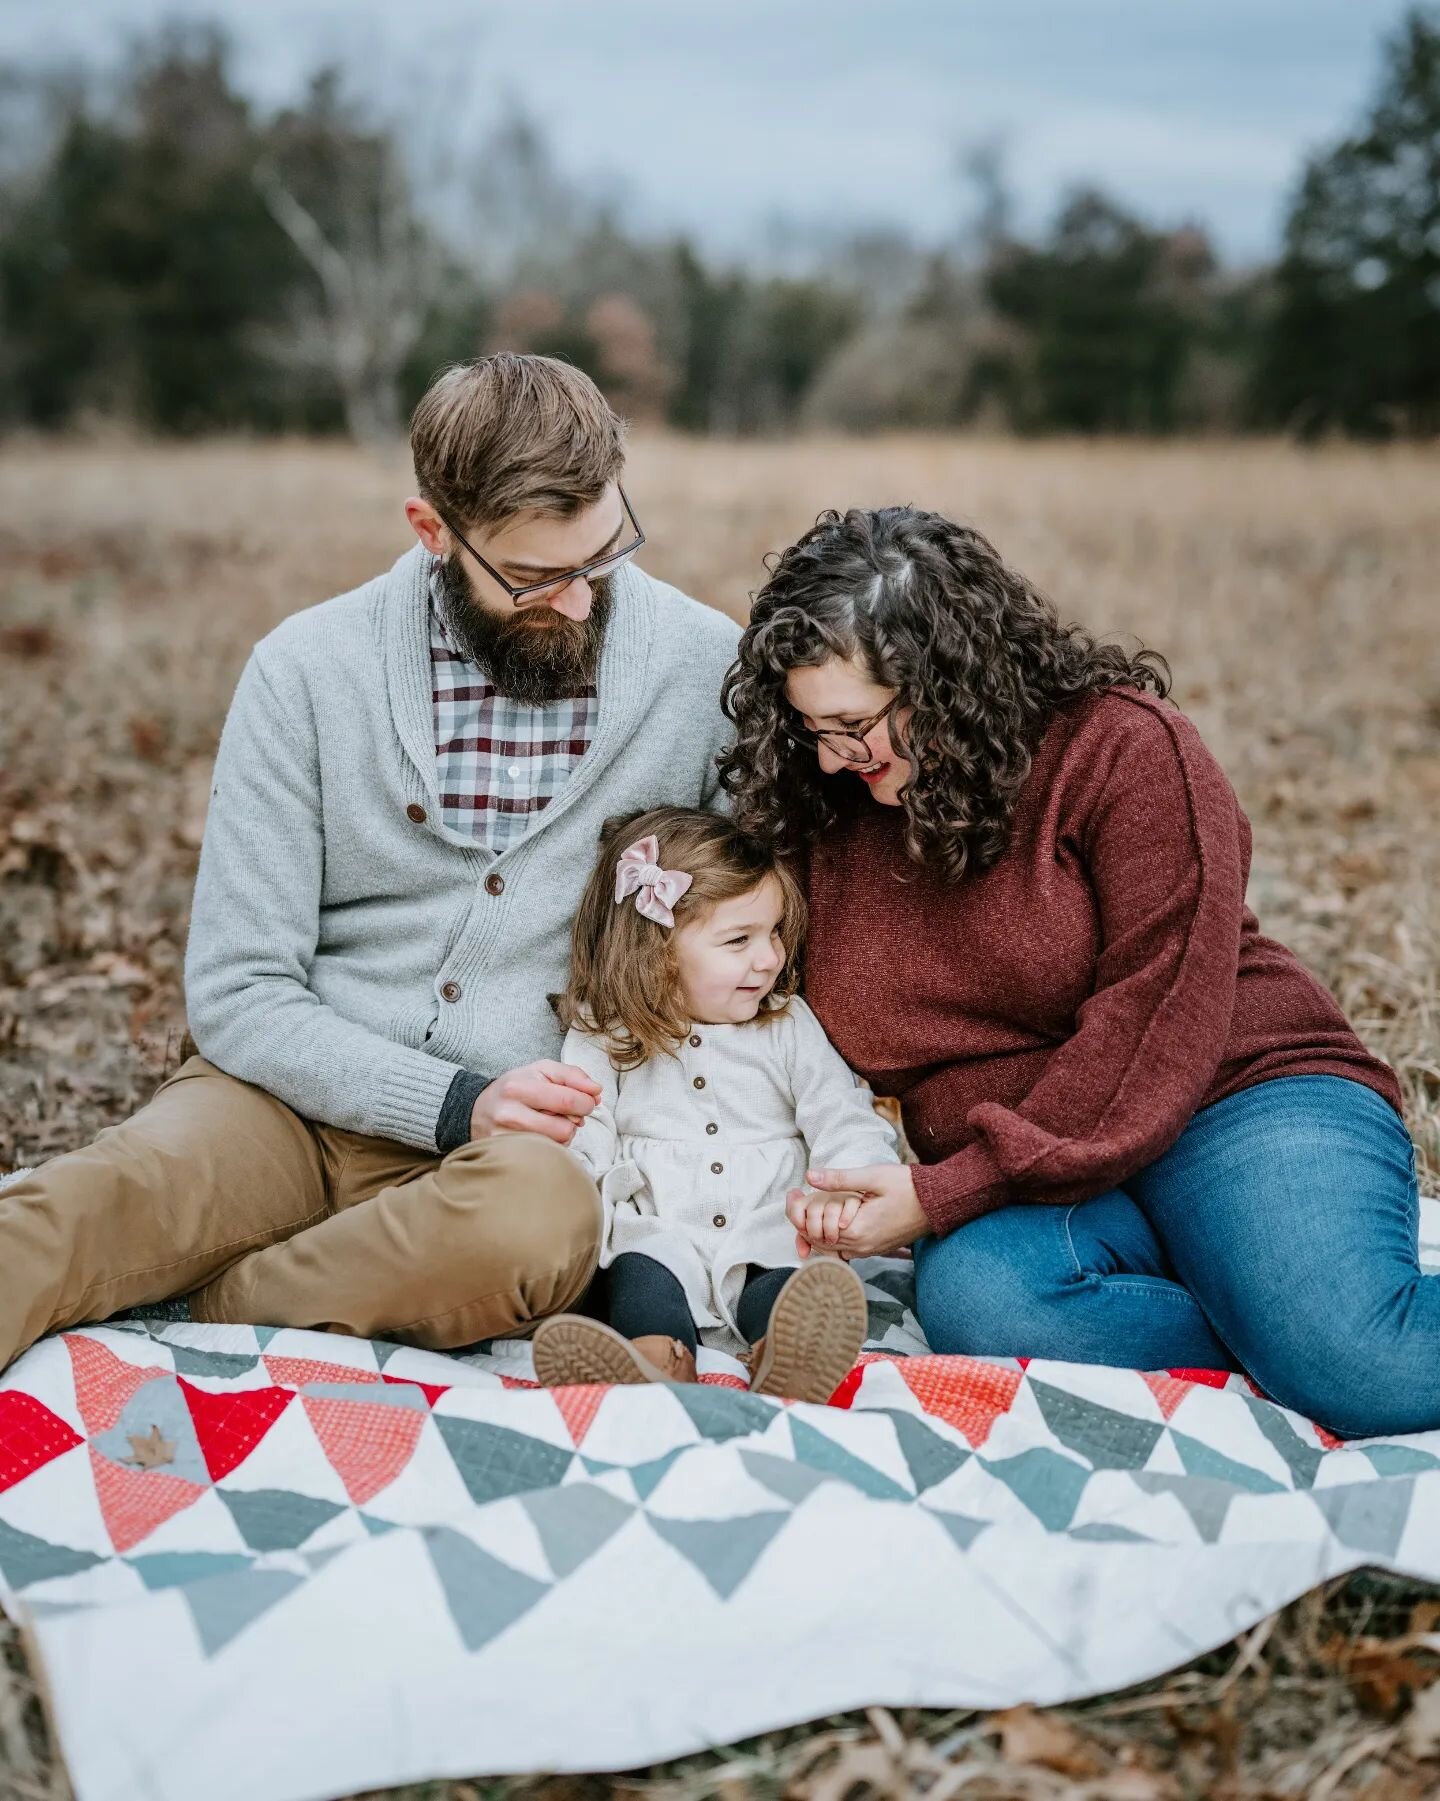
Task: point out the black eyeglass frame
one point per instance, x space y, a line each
556 583
804 734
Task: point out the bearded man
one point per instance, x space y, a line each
407 796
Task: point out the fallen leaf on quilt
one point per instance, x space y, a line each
151 1450
1028 1736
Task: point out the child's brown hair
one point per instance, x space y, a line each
624 981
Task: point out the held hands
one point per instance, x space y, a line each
549 1099
857 1212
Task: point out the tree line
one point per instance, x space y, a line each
175 257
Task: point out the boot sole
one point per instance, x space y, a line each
816 1331
571 1351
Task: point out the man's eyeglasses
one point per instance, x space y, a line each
850 744
536 594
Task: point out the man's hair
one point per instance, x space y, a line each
514 434
624 982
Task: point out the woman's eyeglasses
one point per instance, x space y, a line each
849 744
535 594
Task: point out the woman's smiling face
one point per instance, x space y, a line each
840 696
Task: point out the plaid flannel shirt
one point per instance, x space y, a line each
498 760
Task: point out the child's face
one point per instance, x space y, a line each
731 957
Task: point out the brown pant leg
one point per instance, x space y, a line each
210 1169
479 1244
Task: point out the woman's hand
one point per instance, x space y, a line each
878 1216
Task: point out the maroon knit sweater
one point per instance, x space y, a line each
1051 1025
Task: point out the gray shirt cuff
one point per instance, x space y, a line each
452 1129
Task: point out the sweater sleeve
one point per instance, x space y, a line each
1166 847
834 1110
595 1139
254 928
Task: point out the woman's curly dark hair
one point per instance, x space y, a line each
978 656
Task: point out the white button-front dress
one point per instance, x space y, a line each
694 1152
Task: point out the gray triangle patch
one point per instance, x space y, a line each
223 1606
26 1559
274 1519
791 1481
574 1521
724 1551
722 1413
960 1526
494 1462
1367 1516
484 1595
930 1457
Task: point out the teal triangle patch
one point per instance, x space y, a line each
263 1335
494 1462
316 1560
484 1595
383 1350
173 1569
25 1559
574 1521
191 1362
722 1413
1047 1483
275 1519
1204 1499
1303 1460
1107 1440
960 1526
782 1476
1101 1532
1400 1460
224 1606
1367 1516
1203 1460
724 1551
375 1526
648 1476
930 1457
822 1453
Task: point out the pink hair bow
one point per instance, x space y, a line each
656 890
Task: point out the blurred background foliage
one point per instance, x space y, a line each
176 259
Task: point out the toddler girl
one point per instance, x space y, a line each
719 1090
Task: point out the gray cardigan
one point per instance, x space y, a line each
347 951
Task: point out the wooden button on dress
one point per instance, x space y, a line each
719 1219
695 1040
717 1169
699 1081
712 1128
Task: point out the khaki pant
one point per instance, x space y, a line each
217 1186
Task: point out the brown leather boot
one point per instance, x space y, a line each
571 1350
815 1333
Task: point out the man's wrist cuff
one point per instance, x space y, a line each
452 1129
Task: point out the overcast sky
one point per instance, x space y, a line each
716 117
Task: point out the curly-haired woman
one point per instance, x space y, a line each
1146 1134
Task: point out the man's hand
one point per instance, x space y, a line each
887 1218
546 1098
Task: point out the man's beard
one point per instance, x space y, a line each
531 654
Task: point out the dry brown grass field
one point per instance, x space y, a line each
1293 592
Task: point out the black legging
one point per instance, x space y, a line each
644 1297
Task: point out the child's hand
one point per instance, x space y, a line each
819 1219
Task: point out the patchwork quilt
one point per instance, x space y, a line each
270 1565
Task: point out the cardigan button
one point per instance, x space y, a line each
717 1169
699 1082
719 1220
450 991
494 884
415 812
712 1128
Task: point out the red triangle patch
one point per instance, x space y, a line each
517 1382
30 1436
135 1502
965 1392
103 1381
578 1407
230 1425
849 1388
367 1442
1328 1440
1205 1378
294 1372
431 1390
1168 1390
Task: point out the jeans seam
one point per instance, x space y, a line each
1082 1275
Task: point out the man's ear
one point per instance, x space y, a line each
428 526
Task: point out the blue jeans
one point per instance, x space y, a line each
1276 1235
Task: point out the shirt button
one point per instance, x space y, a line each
719 1220
695 1040
513 772
494 884
699 1082
450 991
415 812
712 1128
717 1169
